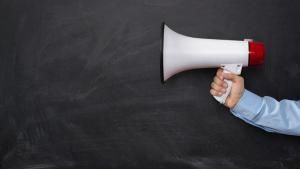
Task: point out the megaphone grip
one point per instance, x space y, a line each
230 68
223 98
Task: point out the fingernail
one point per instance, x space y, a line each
223 90
220 93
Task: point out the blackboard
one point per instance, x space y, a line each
80 85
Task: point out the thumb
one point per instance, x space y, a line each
230 76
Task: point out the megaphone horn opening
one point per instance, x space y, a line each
162 53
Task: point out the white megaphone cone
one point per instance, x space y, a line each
181 53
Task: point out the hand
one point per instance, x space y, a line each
219 87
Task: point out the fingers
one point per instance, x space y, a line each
234 78
218 87
219 74
218 81
215 93
229 76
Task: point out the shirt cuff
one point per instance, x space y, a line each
248 106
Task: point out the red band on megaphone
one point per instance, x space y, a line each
256 53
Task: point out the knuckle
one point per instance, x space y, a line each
217 88
213 92
214 86
216 79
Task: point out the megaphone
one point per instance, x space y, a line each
181 53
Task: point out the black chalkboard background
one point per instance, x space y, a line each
80 85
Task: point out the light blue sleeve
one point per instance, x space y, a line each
269 114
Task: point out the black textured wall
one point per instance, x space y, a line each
80 85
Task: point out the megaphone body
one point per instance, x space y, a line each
181 53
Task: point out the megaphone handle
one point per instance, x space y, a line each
232 68
223 98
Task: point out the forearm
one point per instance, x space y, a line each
269 114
